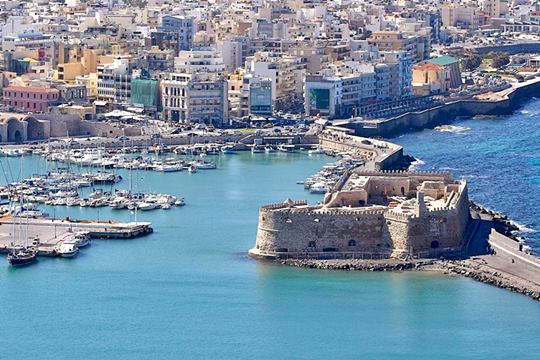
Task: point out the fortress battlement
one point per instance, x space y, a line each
285 204
402 212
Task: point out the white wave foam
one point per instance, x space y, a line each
416 163
452 129
522 228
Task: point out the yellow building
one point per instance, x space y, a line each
68 72
91 83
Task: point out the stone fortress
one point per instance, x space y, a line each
372 215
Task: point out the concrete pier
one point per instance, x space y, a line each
52 232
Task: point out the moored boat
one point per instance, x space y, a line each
22 256
67 249
227 149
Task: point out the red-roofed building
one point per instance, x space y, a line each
32 99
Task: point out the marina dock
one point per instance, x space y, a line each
48 234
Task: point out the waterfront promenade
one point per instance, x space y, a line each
503 102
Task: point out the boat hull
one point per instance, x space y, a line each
22 261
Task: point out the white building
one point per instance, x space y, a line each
197 90
114 81
284 71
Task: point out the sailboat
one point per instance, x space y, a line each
21 255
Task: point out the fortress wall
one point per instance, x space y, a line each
445 226
396 233
330 230
389 161
347 198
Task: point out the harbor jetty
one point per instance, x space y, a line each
47 234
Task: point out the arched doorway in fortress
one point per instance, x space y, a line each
15 130
35 129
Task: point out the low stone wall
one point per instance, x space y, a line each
511 249
443 114
510 49
384 155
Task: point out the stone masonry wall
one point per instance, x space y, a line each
305 230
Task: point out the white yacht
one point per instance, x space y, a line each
227 149
316 151
168 167
319 188
286 148
205 165
146 206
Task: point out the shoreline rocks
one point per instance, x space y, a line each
467 268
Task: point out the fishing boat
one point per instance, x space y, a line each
82 239
269 149
67 249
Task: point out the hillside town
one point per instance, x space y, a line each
242 63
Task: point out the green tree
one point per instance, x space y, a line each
499 60
471 62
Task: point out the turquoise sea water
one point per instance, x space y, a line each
189 291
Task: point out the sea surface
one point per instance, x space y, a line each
499 157
189 291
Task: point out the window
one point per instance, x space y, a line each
434 244
352 242
311 244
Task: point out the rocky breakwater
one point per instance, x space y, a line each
480 270
360 265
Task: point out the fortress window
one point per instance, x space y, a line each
352 242
434 244
311 244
